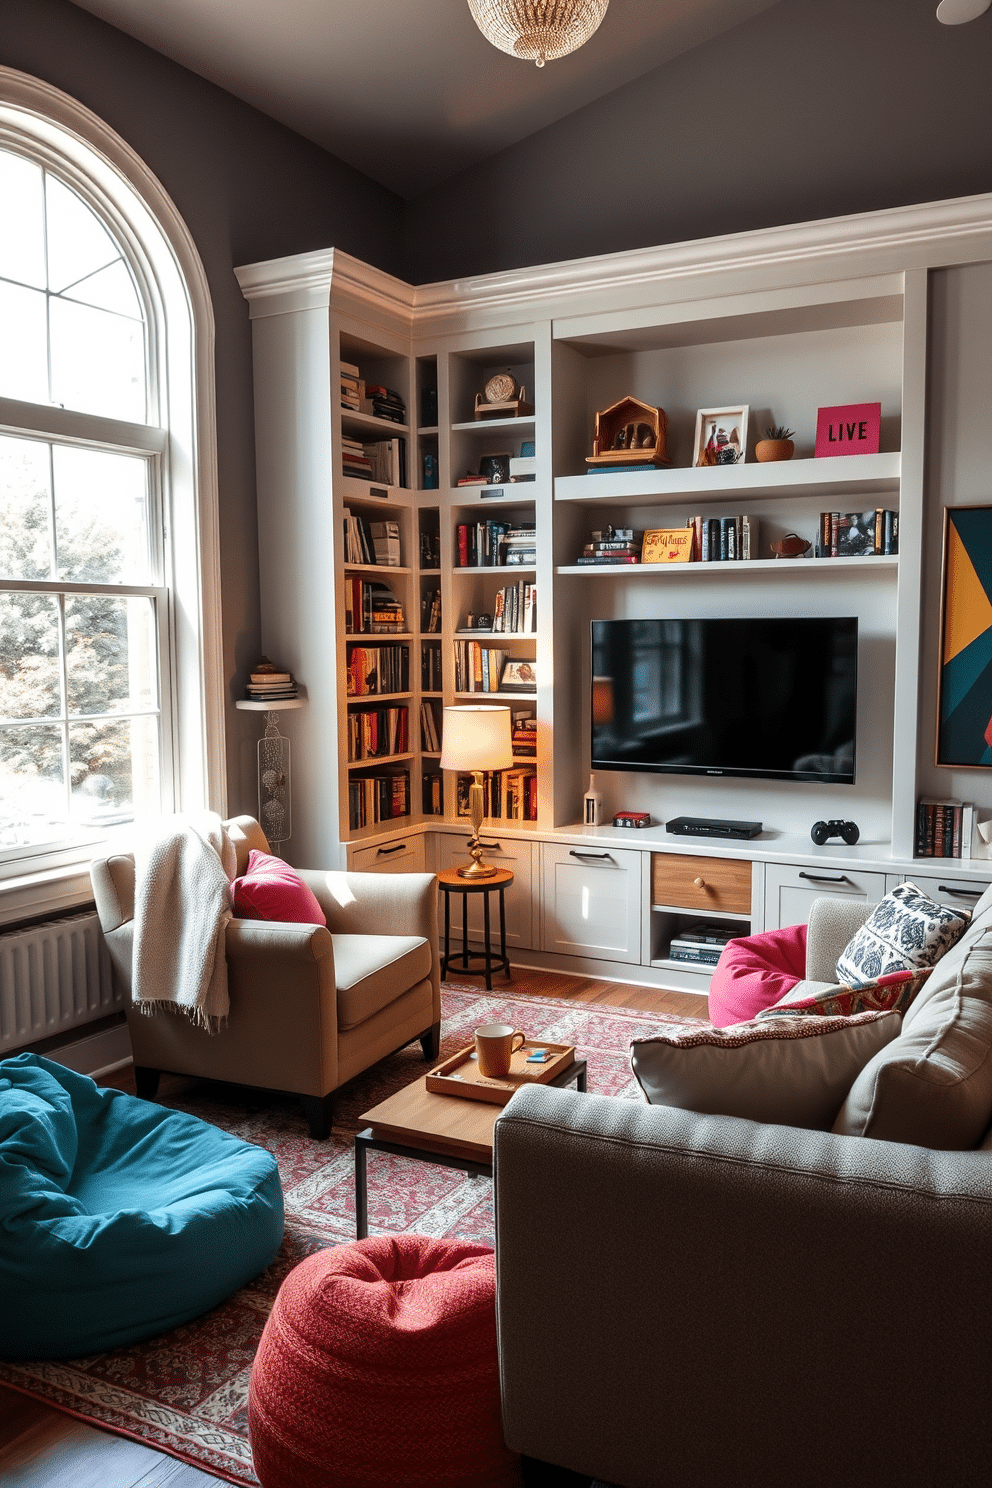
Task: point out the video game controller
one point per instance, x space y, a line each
821 830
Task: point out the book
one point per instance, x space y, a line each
668 545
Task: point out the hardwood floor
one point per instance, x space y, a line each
41 1447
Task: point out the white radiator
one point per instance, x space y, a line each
53 976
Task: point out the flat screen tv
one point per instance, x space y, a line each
772 699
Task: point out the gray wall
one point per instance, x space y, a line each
248 189
814 108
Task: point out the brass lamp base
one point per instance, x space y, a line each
476 807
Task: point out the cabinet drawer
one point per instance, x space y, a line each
592 902
790 889
405 855
709 884
956 893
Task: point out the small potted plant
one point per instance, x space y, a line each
776 445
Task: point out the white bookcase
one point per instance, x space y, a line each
786 321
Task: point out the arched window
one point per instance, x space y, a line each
110 682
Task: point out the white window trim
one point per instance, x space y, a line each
58 131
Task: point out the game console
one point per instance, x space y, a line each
711 826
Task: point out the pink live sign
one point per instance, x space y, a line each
849 430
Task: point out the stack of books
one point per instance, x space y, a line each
614 545
433 793
354 461
384 403
518 547
700 945
386 543
270 686
858 534
352 387
944 829
524 737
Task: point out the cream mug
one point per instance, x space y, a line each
494 1045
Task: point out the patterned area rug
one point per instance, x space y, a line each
186 1393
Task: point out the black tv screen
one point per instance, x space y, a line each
773 699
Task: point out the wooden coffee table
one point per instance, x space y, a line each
448 1130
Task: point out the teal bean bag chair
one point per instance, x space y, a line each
119 1219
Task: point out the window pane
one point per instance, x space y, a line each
23 344
114 770
98 361
25 510
22 223
101 516
29 656
109 289
78 242
32 785
110 654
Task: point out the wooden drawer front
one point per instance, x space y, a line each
710 884
406 856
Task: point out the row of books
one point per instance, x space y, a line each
945 829
700 945
371 608
712 540
359 396
377 731
430 733
858 534
270 687
430 667
375 798
515 609
430 547
378 670
478 668
430 611
491 544
371 542
509 795
432 793
382 460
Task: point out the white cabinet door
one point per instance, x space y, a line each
403 855
956 893
791 888
591 902
518 901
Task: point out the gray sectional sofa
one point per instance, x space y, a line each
693 1301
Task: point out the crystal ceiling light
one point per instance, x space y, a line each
537 30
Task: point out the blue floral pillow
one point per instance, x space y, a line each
906 931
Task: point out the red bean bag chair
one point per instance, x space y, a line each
378 1367
755 972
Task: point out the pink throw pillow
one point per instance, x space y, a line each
755 972
272 890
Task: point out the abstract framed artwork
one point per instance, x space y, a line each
964 703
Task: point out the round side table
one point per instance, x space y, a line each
450 883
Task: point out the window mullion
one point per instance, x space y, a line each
64 691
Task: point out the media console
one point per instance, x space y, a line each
711 826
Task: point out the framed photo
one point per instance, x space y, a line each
496 469
964 712
721 436
518 676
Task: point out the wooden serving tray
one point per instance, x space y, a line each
460 1075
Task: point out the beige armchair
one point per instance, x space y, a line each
310 1007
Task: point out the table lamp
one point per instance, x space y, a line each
476 738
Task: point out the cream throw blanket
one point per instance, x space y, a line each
182 903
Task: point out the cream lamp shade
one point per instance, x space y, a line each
476 738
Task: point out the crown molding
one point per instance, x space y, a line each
919 236
929 234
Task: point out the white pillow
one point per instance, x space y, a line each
905 931
792 1071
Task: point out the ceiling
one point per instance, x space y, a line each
408 91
